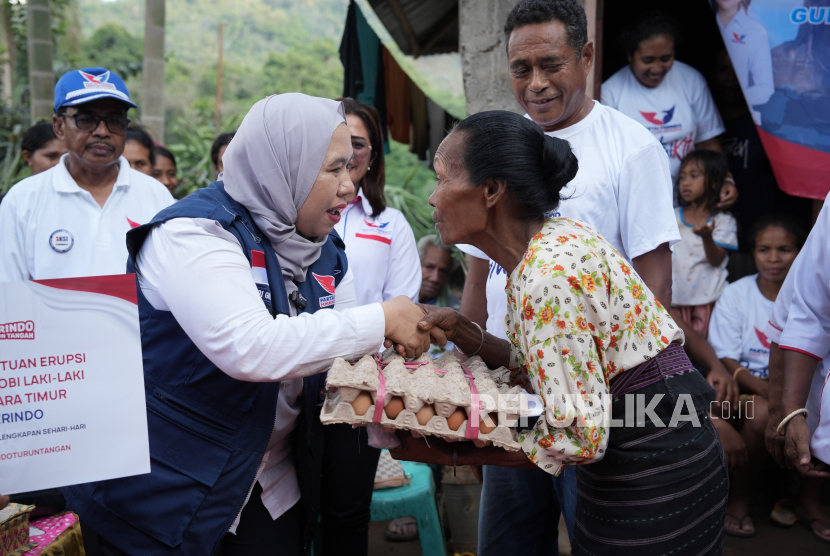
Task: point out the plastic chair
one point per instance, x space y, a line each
417 499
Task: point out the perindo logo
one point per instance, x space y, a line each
24 330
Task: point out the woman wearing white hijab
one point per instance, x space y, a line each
233 381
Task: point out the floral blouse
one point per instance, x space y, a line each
577 316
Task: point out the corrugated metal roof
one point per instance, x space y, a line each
420 27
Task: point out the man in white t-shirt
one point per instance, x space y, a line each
622 189
71 220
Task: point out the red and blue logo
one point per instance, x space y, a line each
97 81
651 117
762 338
380 226
326 282
738 39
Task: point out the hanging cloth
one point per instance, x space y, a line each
397 99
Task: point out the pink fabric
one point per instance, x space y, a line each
475 407
697 316
51 528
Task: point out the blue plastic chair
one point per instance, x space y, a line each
417 499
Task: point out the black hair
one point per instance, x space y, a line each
715 167
166 154
569 12
221 140
652 25
374 182
777 220
503 146
37 136
140 136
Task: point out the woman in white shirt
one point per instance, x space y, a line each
384 259
736 332
670 98
245 299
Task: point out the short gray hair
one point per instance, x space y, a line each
428 241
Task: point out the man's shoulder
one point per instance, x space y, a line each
628 133
29 188
147 186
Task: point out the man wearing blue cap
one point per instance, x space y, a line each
72 219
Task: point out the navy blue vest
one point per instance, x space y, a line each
207 431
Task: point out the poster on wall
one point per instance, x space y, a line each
780 50
72 404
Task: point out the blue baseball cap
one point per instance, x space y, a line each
85 85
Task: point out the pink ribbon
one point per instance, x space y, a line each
475 407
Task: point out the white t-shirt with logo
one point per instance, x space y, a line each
679 111
736 329
51 228
382 252
694 280
622 189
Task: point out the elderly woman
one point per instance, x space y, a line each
584 329
236 283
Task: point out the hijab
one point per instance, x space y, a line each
271 165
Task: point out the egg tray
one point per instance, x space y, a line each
442 383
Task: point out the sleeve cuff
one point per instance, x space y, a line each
726 246
789 348
773 333
369 327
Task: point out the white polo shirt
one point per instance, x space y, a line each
747 42
51 228
382 253
807 329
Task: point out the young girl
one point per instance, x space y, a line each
737 336
699 259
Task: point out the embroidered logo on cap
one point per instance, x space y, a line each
96 81
61 241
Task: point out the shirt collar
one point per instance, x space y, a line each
361 200
63 181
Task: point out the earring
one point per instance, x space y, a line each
368 168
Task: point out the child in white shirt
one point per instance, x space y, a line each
706 234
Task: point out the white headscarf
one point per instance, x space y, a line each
271 165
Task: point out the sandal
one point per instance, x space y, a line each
808 523
739 532
399 524
783 513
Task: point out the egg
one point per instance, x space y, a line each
362 403
484 428
425 414
394 407
455 420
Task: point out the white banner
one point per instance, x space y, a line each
71 383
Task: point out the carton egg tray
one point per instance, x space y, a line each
437 397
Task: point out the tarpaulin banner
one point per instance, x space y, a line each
71 383
780 50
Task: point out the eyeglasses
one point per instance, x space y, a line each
90 122
361 148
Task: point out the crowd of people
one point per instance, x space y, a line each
598 238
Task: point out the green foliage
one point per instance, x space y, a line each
313 68
11 159
111 46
